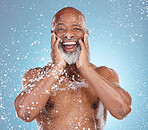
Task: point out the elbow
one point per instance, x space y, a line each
25 116
124 112
126 109
21 112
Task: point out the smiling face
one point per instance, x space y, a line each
69 24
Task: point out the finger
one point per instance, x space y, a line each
53 39
57 43
81 44
86 41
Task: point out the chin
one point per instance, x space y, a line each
70 54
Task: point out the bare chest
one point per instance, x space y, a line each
71 103
71 97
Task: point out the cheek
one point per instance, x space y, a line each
81 35
60 35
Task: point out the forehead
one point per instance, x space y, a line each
69 18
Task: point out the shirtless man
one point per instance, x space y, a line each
71 93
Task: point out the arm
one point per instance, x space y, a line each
37 86
116 100
32 100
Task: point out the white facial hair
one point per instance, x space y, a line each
70 57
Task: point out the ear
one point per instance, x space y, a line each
87 32
52 31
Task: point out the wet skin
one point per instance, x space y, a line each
72 104
62 96
70 107
69 26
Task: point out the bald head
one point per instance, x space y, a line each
73 13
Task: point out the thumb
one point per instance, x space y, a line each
57 43
53 39
81 44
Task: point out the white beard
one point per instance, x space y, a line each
70 57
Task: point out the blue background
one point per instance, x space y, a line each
118 39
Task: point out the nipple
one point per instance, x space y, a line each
51 106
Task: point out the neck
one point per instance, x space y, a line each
72 71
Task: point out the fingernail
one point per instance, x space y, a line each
52 34
59 39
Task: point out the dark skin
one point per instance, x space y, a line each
68 96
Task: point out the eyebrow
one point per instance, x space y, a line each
75 25
60 24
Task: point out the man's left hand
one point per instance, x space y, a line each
84 55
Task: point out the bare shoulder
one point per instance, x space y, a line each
32 75
93 66
36 71
32 72
107 73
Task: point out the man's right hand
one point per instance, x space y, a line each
55 52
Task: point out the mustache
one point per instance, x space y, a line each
69 39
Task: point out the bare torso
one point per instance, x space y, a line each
72 105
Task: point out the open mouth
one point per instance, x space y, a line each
69 46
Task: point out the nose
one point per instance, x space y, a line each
69 35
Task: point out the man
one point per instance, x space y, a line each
71 93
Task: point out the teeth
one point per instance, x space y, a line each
69 43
